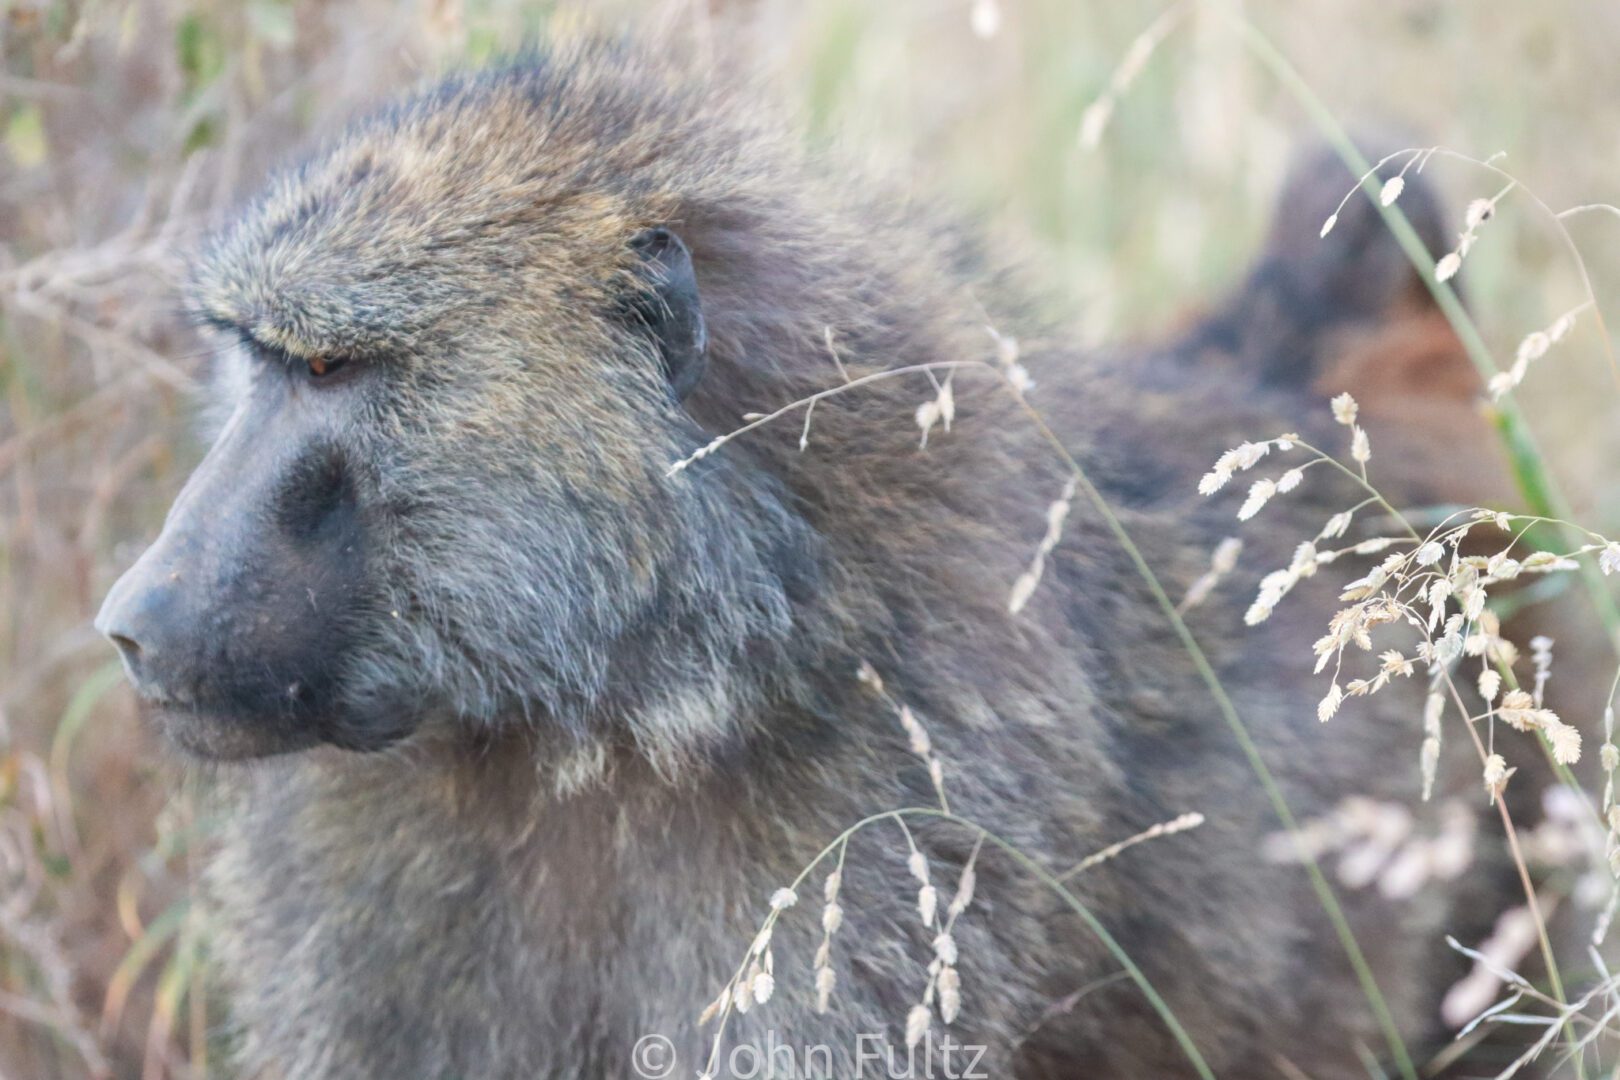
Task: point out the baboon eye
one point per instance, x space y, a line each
319 366
324 365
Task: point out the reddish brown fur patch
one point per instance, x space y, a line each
1423 402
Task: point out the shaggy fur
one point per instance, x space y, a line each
621 706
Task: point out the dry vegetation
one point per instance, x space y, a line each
126 126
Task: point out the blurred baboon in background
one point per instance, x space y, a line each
540 722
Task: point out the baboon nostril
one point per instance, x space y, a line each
137 617
128 647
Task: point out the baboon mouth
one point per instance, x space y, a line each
213 735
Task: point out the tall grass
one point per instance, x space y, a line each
125 126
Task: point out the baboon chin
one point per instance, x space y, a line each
469 503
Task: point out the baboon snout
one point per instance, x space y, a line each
170 618
139 617
234 625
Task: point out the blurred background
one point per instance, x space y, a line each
126 127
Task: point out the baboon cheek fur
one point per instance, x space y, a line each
612 707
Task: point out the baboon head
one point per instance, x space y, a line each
452 355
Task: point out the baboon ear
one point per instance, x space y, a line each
669 308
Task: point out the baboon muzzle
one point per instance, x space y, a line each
230 625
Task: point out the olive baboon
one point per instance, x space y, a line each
611 707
